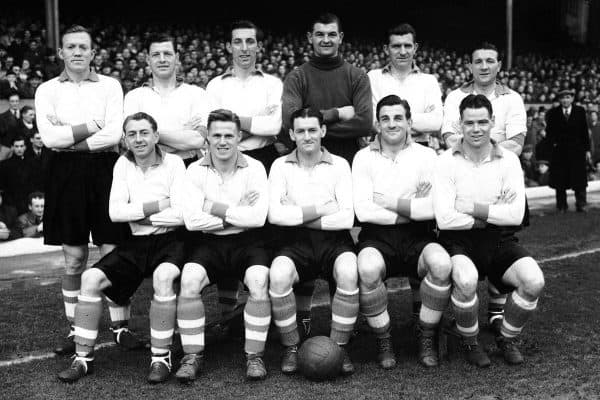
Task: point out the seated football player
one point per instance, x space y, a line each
146 192
392 185
226 203
310 203
479 190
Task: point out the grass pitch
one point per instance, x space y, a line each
560 344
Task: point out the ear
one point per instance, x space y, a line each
228 47
292 135
341 36
309 37
416 46
470 67
59 53
386 49
499 65
323 130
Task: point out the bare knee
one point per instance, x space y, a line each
93 282
464 279
163 278
193 279
257 280
438 264
75 259
282 275
371 268
345 271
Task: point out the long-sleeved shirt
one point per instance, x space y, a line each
421 90
97 98
510 117
250 97
135 192
304 189
171 111
457 177
327 84
373 171
226 216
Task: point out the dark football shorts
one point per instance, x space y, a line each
77 192
227 257
313 251
492 251
128 264
400 245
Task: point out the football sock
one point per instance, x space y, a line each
283 307
87 318
162 323
466 314
71 286
435 300
119 315
495 305
373 305
190 319
257 318
344 310
516 313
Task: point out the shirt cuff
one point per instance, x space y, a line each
481 211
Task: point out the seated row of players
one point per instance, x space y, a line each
310 198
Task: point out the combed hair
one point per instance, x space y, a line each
402 29
25 109
393 100
161 38
245 24
475 101
327 18
307 112
485 46
139 116
224 116
34 195
76 29
17 138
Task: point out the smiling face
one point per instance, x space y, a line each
485 66
476 124
223 138
37 207
307 133
76 52
325 39
162 59
243 48
401 50
140 138
393 124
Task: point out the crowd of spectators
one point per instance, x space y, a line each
120 52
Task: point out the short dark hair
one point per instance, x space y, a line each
224 115
75 29
402 29
392 100
17 138
140 116
14 94
25 109
485 46
475 101
306 112
326 18
245 24
161 38
35 195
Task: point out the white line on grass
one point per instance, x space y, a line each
45 356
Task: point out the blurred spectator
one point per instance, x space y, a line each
594 127
8 220
9 125
30 224
26 125
529 165
543 173
37 156
15 176
10 85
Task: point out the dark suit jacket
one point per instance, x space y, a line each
569 141
38 165
9 127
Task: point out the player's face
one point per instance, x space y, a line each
307 133
37 207
393 124
243 47
485 66
18 148
162 59
13 102
566 100
401 50
76 52
36 141
140 138
325 39
223 138
476 124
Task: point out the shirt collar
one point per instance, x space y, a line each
325 157
159 156
499 90
240 161
495 153
229 73
178 82
92 76
388 69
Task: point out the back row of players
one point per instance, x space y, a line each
310 200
